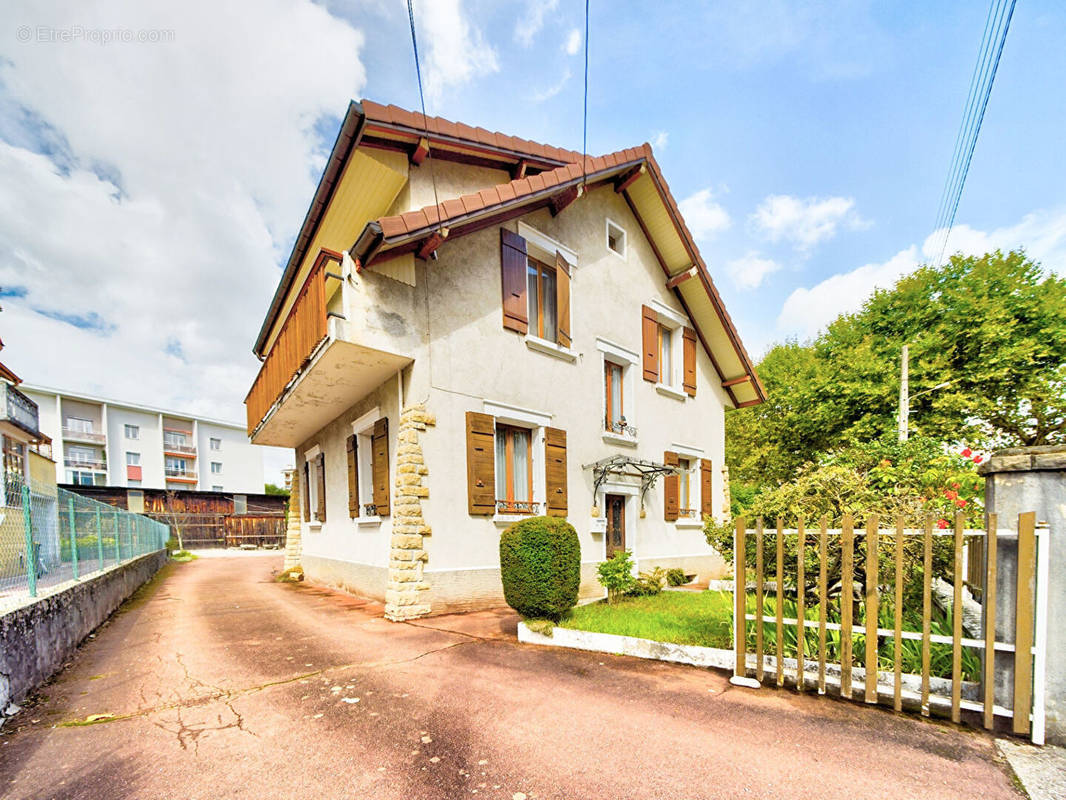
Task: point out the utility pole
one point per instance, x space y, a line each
904 393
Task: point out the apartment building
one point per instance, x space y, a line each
102 442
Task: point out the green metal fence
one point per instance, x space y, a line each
64 536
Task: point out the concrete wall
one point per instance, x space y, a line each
450 322
36 638
1017 481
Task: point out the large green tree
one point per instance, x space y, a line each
992 327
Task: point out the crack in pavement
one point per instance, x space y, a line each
227 695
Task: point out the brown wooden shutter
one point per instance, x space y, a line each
671 488
706 488
321 487
307 492
650 330
379 465
481 463
690 361
562 300
513 263
353 477
555 471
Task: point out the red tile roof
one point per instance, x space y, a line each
401 225
393 115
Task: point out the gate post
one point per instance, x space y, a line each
1018 480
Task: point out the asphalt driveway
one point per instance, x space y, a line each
217 682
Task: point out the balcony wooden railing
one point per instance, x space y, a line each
303 330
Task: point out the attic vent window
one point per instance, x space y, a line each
616 239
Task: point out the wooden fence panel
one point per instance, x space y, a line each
1023 631
941 652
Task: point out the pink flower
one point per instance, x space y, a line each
960 503
954 486
942 523
950 495
967 453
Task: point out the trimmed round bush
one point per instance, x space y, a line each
540 563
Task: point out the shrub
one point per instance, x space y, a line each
616 575
172 544
540 564
676 576
648 583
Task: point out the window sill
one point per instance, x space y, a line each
375 520
670 391
550 348
314 525
688 523
618 438
507 519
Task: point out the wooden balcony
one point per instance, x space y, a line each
319 363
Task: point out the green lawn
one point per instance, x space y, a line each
703 618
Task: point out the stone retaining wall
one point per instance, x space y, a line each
37 637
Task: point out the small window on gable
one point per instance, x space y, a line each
616 239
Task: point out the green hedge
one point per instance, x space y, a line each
540 564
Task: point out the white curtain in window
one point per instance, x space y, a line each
666 358
531 296
501 465
548 285
616 394
521 466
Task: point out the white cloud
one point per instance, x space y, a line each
807 310
573 42
704 215
659 140
749 271
186 168
551 91
456 50
804 221
531 23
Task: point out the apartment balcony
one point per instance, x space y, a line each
182 450
86 464
180 475
321 362
19 410
88 437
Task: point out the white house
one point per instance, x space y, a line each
472 328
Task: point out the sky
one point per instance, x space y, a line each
157 159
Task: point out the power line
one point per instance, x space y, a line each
585 116
996 28
425 119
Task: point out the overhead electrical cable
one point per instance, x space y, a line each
425 119
585 114
997 25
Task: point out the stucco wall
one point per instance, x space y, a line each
450 322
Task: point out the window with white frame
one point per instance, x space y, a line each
79 425
619 393
216 444
687 503
217 487
514 469
616 239
82 455
519 459
133 459
216 467
133 431
312 468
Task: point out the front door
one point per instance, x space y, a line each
616 524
